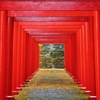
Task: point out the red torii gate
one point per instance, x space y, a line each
23 25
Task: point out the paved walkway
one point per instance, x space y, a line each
51 84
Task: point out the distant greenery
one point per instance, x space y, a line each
57 54
52 56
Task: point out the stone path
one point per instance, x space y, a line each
51 84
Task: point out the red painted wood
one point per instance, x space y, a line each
26 58
51 5
91 58
18 58
74 23
31 57
22 59
35 56
65 56
9 57
51 27
50 37
14 74
80 57
73 56
66 52
38 55
70 55
52 19
51 42
45 40
51 33
87 56
49 13
52 30
51 23
3 53
69 58
83 73
97 51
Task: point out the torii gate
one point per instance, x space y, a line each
25 24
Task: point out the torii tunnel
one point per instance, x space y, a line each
26 24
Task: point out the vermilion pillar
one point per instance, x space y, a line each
33 55
24 55
90 87
26 58
37 56
66 56
30 57
14 60
22 58
18 58
91 58
9 58
70 55
24 46
83 59
87 72
97 51
74 56
79 56
3 53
